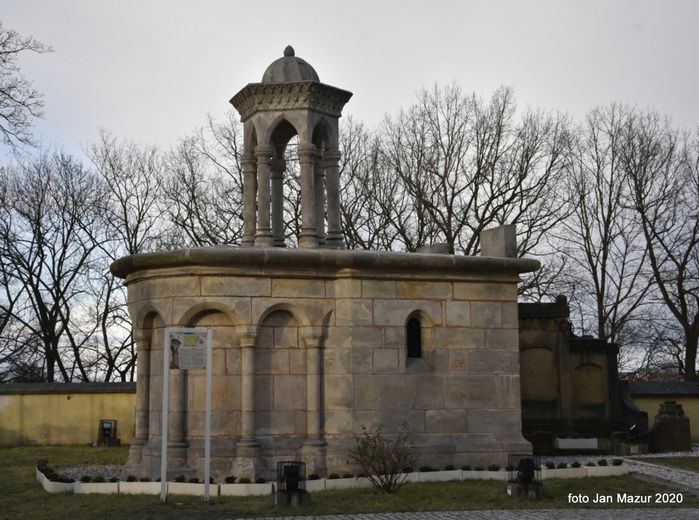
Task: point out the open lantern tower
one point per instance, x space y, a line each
311 344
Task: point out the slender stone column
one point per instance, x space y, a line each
308 237
278 168
263 235
313 337
141 419
335 239
319 199
249 165
247 336
177 434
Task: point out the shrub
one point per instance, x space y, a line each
617 462
347 475
230 479
602 462
260 480
333 476
426 469
194 480
550 464
590 463
479 468
144 479
494 467
575 464
562 465
465 467
131 478
245 480
449 467
382 458
113 479
99 478
510 467
313 476
85 478
180 478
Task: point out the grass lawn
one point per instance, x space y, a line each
687 463
21 497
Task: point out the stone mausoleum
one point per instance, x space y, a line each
311 344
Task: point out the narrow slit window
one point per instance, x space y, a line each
414 338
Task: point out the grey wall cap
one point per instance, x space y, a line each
316 262
67 388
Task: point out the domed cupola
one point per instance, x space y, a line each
289 69
291 101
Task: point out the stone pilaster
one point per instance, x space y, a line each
247 449
314 448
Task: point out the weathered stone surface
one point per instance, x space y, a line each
353 313
458 314
445 421
396 312
383 392
486 315
429 392
485 291
378 289
236 286
298 288
502 339
494 421
460 338
385 361
419 290
339 394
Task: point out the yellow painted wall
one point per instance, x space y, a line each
63 418
690 405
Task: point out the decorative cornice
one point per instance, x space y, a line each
307 95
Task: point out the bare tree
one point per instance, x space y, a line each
203 187
602 238
465 165
51 230
661 165
19 101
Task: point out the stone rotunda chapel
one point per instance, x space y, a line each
311 344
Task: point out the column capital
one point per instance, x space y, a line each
306 152
262 150
247 334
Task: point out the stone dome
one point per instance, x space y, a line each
289 69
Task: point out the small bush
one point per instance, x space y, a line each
347 475
193 480
99 479
382 458
131 478
550 464
180 478
333 476
602 462
590 463
245 480
479 468
575 464
230 479
562 465
113 479
144 479
617 462
449 467
313 476
465 467
494 467
510 467
260 480
426 469
85 479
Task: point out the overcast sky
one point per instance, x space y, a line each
150 70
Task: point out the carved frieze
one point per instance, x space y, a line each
307 95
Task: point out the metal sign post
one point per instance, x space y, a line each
186 349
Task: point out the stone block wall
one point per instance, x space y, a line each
311 346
